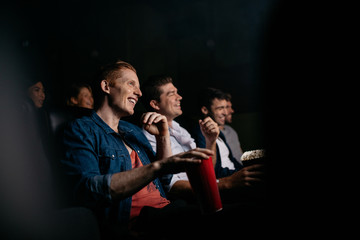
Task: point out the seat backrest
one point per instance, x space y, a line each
58 119
60 116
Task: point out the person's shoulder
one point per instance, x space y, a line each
81 122
77 123
83 119
229 128
83 126
176 125
180 128
126 125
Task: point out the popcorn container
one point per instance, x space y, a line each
203 183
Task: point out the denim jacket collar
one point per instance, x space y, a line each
98 120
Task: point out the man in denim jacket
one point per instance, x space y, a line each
113 168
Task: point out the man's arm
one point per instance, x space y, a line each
125 184
210 130
156 124
240 182
81 165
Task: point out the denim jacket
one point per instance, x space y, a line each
93 153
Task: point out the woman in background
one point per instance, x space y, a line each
36 93
80 95
33 107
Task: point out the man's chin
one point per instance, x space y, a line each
178 112
127 113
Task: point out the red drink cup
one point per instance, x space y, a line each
203 183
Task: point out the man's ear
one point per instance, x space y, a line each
74 101
105 86
204 110
154 104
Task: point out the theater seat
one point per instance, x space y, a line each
28 206
58 117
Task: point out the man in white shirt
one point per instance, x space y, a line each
166 101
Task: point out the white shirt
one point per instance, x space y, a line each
181 141
224 154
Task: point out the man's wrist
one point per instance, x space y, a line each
157 167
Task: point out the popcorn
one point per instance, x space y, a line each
253 154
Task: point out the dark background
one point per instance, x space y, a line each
291 61
198 42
